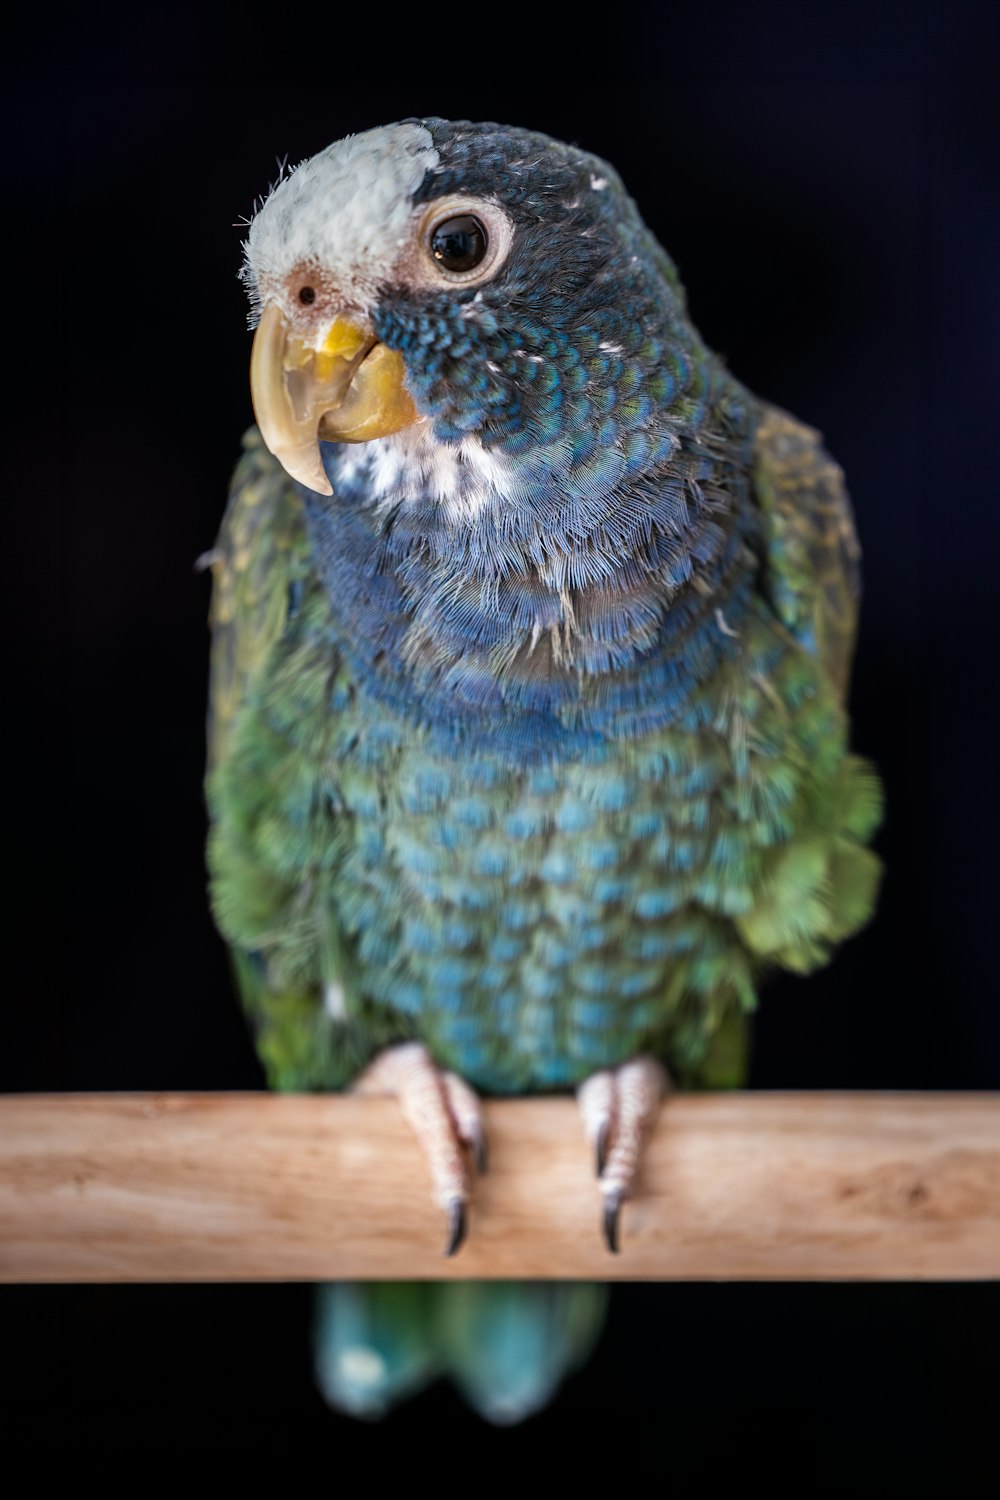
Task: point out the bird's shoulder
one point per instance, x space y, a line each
258 562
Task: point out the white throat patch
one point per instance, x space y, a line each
462 477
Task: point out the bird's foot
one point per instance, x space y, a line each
444 1114
617 1106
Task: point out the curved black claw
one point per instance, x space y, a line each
601 1147
612 1214
457 1225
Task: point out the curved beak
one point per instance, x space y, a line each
345 387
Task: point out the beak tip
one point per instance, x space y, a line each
303 464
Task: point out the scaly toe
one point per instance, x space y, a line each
467 1114
617 1108
596 1100
443 1113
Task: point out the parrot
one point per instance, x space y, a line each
528 742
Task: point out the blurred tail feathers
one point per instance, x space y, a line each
507 1346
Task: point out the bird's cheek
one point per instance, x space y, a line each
339 384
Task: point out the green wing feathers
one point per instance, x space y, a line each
260 553
812 558
260 572
821 886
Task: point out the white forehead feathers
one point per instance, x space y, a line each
348 208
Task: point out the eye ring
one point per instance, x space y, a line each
480 234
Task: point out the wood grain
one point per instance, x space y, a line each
236 1187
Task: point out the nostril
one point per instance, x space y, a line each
307 294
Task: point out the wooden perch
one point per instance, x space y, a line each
238 1187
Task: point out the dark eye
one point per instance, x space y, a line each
307 294
459 244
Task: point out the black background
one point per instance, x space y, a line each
824 176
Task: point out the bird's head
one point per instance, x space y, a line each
488 283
